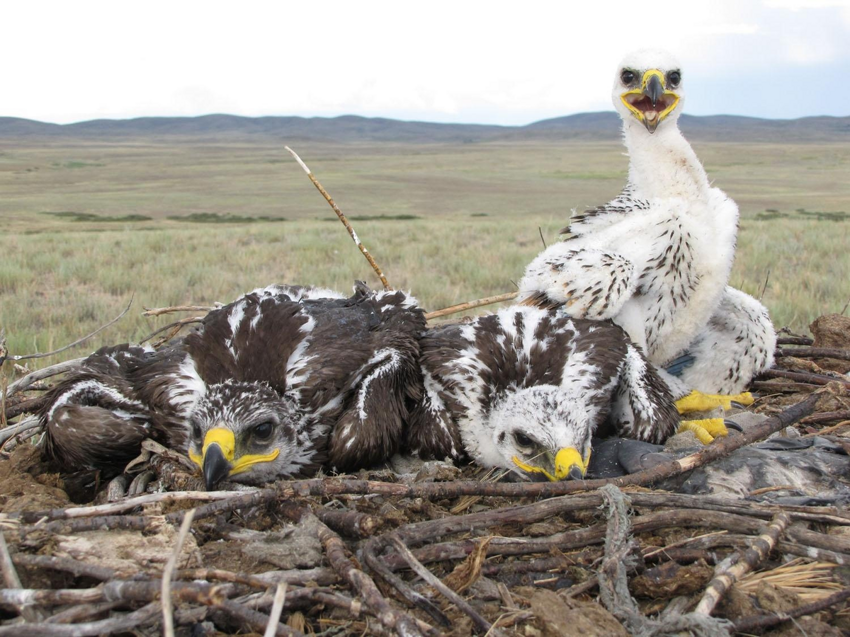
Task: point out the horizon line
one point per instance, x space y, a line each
396 119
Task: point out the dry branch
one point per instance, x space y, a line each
342 218
737 565
70 345
470 305
170 330
335 551
480 623
277 609
157 311
121 623
13 430
168 571
256 620
794 340
804 377
814 352
40 374
718 449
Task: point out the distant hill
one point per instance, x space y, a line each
352 128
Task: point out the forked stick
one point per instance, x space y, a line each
342 218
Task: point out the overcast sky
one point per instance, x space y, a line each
453 61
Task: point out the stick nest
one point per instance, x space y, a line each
435 550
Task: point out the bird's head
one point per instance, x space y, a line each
648 87
246 432
542 432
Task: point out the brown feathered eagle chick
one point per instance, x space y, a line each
281 382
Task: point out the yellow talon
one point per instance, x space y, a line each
705 430
697 401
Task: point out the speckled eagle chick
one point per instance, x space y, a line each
279 383
656 259
526 388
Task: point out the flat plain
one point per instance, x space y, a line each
88 224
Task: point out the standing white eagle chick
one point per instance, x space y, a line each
657 258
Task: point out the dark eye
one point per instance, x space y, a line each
627 76
673 78
522 440
196 431
263 431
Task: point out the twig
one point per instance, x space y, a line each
256 620
157 311
75 343
470 305
128 590
342 218
171 330
540 230
103 627
82 612
277 609
11 431
757 622
803 377
794 340
764 287
825 416
480 623
345 522
362 583
718 449
40 374
65 564
29 406
124 505
733 568
168 572
11 580
814 352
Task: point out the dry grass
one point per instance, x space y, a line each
479 207
810 581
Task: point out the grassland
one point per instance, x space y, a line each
450 222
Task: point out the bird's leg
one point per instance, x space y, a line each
697 401
707 429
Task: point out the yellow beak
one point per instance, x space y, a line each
219 463
652 102
568 464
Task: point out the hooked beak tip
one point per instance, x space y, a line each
215 466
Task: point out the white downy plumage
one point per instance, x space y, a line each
657 258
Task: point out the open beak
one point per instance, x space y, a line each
566 464
652 102
217 460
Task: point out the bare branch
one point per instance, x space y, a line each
342 218
77 342
157 311
470 305
277 609
40 374
168 572
737 565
